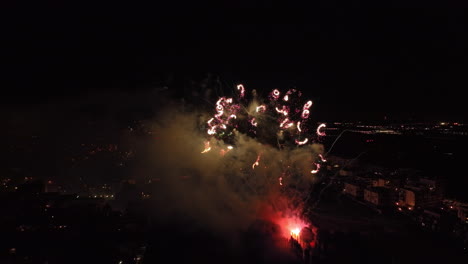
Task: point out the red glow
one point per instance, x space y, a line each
282 215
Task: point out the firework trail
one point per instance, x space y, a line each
331 181
336 140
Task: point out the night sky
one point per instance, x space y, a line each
97 94
355 61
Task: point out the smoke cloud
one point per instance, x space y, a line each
219 190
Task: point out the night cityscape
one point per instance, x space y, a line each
234 132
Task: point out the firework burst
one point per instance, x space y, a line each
282 115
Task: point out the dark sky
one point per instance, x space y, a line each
355 60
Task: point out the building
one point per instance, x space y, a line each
354 189
386 182
430 183
437 219
419 197
380 196
346 172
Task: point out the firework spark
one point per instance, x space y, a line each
207 147
317 169
241 88
253 122
321 158
299 126
256 163
286 120
283 111
223 152
302 142
275 94
321 134
260 109
307 105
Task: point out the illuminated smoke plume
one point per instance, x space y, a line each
248 159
